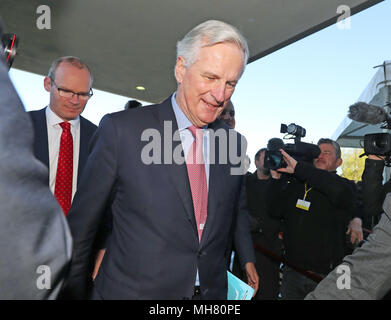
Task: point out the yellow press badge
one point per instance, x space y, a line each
302 204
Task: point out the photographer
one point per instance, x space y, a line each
316 206
378 148
374 192
264 230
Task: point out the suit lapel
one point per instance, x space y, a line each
217 182
41 148
177 173
83 148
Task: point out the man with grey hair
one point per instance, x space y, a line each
330 159
173 221
316 206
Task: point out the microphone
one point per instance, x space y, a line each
364 112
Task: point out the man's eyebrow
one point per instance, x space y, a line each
69 90
213 75
210 74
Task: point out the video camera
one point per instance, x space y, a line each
374 143
300 151
10 43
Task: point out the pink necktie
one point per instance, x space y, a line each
63 187
197 177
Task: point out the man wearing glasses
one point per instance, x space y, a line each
61 135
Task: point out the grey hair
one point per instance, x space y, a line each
76 62
207 34
335 145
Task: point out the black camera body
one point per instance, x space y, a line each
374 143
300 151
377 144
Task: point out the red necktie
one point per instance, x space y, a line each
197 177
63 187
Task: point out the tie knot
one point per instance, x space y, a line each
193 130
65 125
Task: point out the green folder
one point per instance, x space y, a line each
237 289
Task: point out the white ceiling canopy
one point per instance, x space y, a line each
133 43
351 133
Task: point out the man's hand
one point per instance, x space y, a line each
275 174
98 261
375 157
291 163
252 276
355 230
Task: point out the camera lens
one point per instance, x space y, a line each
275 160
380 142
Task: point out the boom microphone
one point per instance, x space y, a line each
364 112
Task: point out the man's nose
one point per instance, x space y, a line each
218 92
75 98
321 156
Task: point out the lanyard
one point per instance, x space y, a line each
306 190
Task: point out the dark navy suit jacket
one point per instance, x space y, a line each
41 148
154 251
41 152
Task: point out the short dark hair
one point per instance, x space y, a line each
259 153
132 104
335 145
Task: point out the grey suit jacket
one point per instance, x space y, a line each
369 265
33 229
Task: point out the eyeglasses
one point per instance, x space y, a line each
65 93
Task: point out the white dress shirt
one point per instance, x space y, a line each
187 140
54 137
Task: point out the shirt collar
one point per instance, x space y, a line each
181 119
54 119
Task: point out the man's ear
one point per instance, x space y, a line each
180 69
47 82
339 162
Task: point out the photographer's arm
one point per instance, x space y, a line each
374 191
355 230
337 189
355 225
334 187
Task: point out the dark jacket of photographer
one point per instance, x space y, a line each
373 190
314 240
260 221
